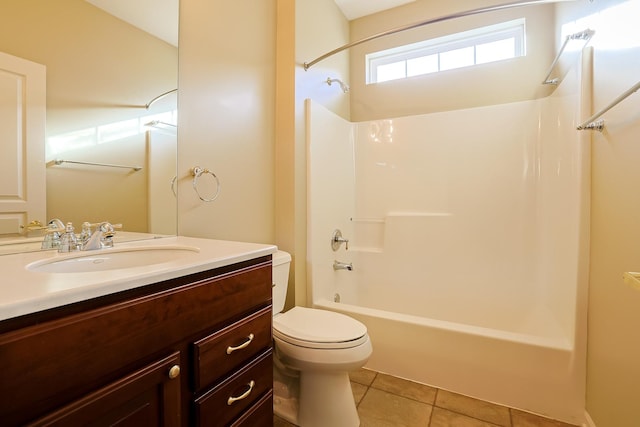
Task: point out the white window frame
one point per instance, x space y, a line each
511 29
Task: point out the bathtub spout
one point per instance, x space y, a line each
337 265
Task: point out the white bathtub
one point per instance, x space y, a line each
469 235
529 372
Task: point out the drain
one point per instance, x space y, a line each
336 298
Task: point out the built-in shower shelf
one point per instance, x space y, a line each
367 249
632 279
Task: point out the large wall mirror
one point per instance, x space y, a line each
109 155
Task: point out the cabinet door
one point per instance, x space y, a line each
147 397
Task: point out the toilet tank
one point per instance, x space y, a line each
281 262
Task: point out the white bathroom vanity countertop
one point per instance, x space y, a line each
23 291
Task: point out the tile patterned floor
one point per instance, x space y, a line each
386 401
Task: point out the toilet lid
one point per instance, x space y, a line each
309 327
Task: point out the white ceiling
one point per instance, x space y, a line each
157 17
160 17
353 9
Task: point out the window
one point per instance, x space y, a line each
93 136
480 46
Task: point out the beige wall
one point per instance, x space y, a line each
488 84
226 121
613 373
319 28
305 29
84 193
100 70
285 147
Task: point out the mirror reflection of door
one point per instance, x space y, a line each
22 136
102 70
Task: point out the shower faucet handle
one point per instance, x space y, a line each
337 240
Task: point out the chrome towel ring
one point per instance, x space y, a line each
197 172
173 185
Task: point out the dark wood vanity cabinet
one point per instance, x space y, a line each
195 350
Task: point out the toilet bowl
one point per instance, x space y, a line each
314 350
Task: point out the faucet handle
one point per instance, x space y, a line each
85 234
101 237
337 240
54 230
68 241
55 226
107 229
105 225
56 223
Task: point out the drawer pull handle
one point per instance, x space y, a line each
241 346
244 395
174 372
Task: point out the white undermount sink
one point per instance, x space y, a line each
112 259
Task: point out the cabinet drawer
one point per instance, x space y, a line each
234 396
260 414
227 349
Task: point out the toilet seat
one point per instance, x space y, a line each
321 329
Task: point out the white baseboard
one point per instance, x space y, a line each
588 421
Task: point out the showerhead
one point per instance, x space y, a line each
343 85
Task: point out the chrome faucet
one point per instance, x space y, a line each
102 237
55 230
337 265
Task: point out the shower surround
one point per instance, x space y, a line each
468 236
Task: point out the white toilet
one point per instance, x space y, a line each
313 353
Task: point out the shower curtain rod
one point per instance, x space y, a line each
159 97
582 35
598 125
477 11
